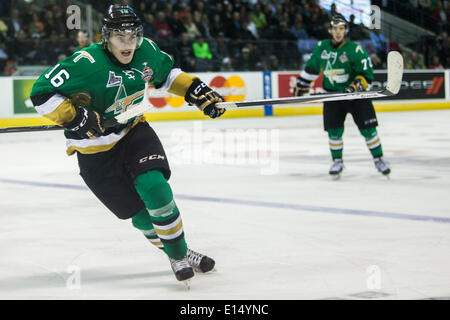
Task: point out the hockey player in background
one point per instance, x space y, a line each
125 166
346 67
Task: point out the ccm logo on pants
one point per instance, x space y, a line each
152 157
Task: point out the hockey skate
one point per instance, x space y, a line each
336 168
382 166
200 262
183 271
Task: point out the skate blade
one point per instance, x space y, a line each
335 177
187 284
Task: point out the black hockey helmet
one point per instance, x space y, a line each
337 19
122 18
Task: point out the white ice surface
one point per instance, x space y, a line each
295 234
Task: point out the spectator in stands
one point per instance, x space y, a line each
191 27
176 24
222 48
36 28
82 40
163 30
316 28
21 46
14 24
273 63
202 23
227 65
352 26
379 43
3 54
3 28
184 53
415 62
202 54
436 63
149 26
333 10
251 26
244 61
297 30
60 21
441 16
258 17
443 48
10 67
217 25
233 28
376 61
360 33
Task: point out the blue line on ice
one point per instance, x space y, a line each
264 204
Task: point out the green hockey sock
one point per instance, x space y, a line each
143 222
165 217
373 141
336 143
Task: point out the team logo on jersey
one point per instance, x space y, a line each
129 73
335 75
147 73
343 58
114 81
122 104
329 55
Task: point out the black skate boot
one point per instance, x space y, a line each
200 262
382 166
183 271
336 167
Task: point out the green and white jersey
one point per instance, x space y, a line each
339 65
112 88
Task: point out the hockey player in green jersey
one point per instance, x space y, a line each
125 166
346 67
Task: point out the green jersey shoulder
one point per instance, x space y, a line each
112 87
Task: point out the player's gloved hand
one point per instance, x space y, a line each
301 87
355 86
204 98
87 123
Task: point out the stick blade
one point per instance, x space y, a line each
395 72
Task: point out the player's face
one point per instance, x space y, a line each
122 46
338 32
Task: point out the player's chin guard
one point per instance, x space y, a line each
121 18
202 96
301 87
87 124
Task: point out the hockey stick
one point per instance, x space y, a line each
394 81
121 119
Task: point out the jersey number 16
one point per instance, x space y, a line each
58 79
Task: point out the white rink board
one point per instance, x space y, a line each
295 234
